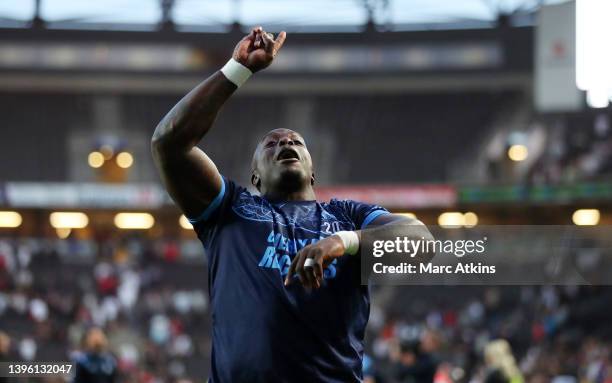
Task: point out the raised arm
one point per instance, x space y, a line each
189 175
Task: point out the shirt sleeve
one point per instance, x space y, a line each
213 215
362 214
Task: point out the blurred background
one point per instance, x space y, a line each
462 112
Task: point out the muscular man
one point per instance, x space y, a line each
267 327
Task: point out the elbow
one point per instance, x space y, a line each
417 230
426 233
162 141
157 143
160 135
410 228
157 149
168 141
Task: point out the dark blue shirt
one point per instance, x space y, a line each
95 368
262 330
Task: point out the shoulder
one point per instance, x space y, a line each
353 206
232 200
339 202
361 213
337 206
236 193
82 361
79 357
243 202
227 196
109 357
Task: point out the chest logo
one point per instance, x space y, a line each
280 250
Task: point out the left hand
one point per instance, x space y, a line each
258 49
322 253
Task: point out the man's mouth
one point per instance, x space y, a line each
288 155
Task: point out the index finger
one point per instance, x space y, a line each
251 35
291 270
280 40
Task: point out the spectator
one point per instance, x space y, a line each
501 366
414 365
96 364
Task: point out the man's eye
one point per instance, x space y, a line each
297 142
270 144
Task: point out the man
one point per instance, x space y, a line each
266 326
95 364
413 364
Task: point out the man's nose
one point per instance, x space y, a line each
286 141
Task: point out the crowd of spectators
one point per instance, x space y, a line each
150 299
492 334
151 303
578 150
563 150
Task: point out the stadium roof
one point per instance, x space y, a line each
292 15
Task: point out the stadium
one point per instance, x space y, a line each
480 120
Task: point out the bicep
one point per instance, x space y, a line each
389 218
191 178
401 225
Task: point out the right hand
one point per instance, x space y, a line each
323 253
257 50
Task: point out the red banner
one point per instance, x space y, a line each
394 196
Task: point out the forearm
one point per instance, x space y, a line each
349 243
190 176
192 117
185 125
388 228
398 231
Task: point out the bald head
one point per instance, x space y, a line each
281 163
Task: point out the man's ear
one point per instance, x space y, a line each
312 179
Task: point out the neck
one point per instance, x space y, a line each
306 194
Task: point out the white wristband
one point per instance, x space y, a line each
350 239
236 72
